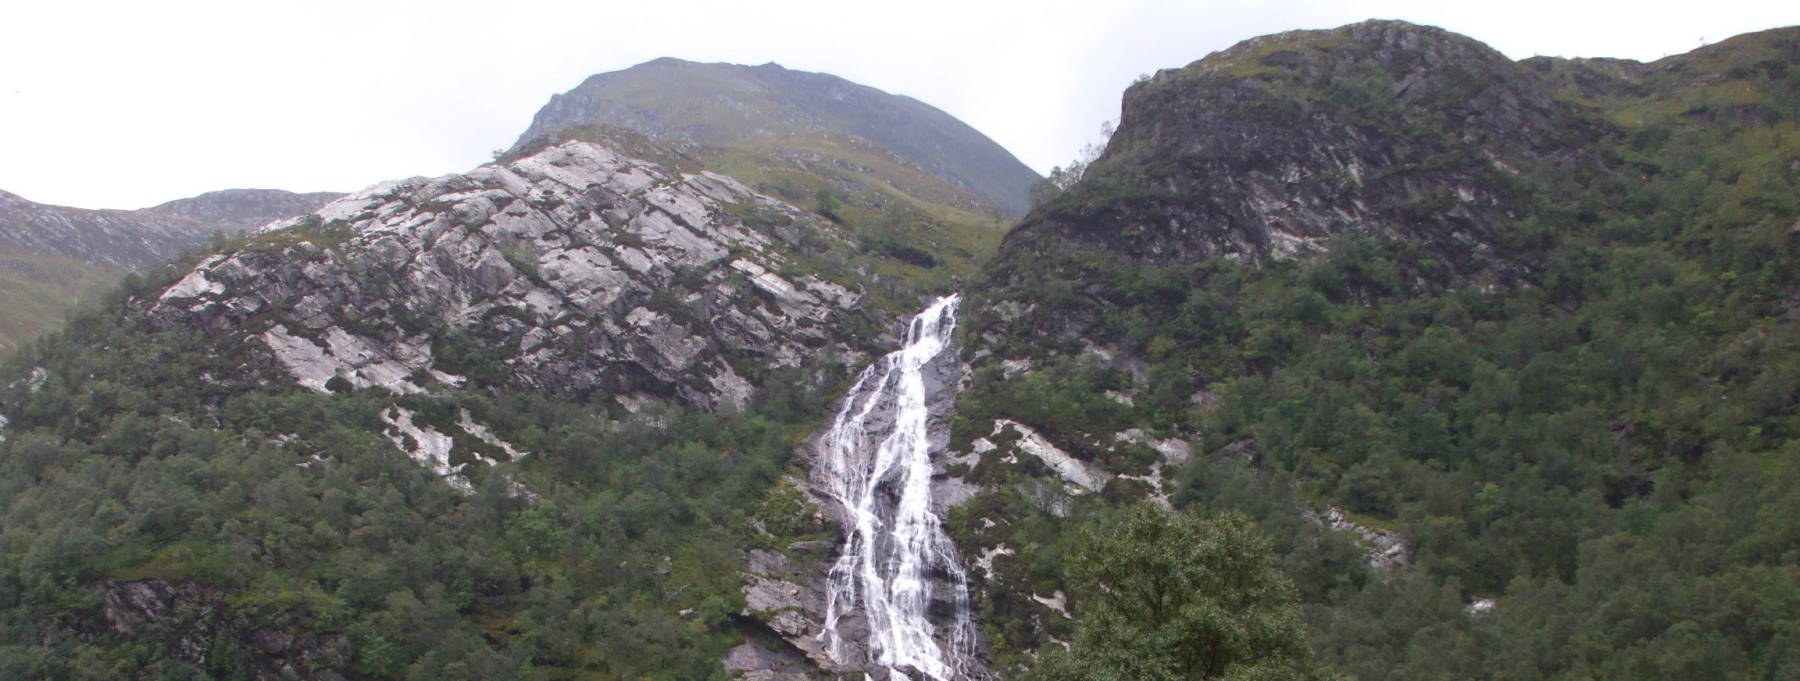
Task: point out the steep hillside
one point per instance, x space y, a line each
925 193
1487 347
575 272
1272 148
1492 367
521 422
37 290
53 256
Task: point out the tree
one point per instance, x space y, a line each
1058 181
1062 178
829 205
1180 596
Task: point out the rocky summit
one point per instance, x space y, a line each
577 270
1271 148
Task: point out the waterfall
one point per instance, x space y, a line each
896 559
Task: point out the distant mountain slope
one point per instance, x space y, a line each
240 209
925 194
53 256
731 104
122 240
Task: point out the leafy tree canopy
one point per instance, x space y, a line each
1180 596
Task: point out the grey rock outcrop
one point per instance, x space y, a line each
788 598
575 271
756 661
1384 549
1274 147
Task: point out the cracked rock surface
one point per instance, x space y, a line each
577 271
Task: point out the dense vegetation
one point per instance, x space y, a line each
1180 597
615 554
1610 450
1605 442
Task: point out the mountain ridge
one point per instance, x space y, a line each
713 102
242 209
52 257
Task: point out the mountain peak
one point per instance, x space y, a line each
1272 147
1392 45
755 108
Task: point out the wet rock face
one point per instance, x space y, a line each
789 593
576 271
788 597
1268 149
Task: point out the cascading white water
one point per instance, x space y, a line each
896 552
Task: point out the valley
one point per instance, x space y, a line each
1360 353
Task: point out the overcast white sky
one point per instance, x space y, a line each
128 104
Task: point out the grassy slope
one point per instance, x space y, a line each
914 233
895 203
756 108
37 291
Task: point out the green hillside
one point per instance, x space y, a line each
1585 410
1451 367
732 105
36 291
